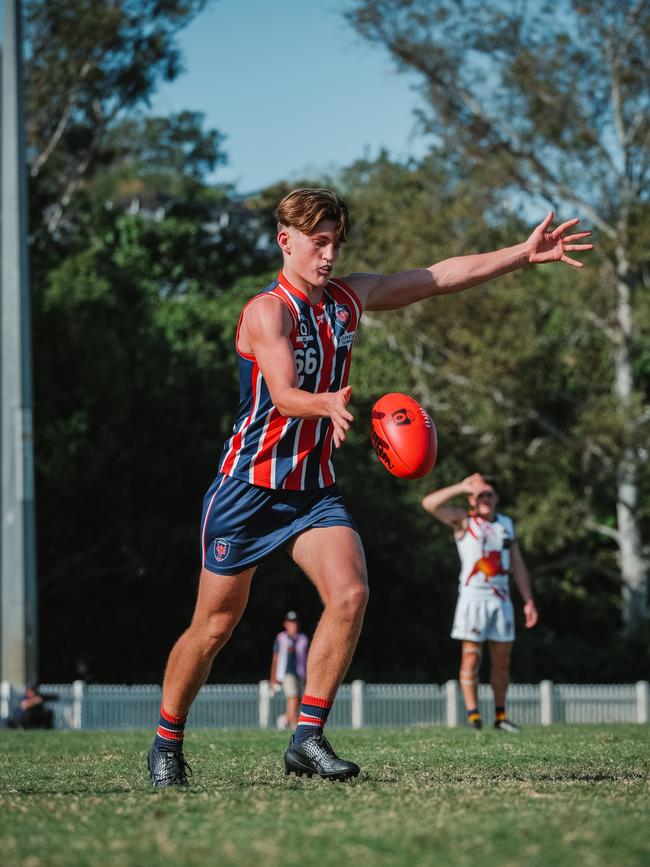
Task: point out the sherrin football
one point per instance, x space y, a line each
404 436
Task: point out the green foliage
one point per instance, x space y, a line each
160 161
548 101
134 320
88 63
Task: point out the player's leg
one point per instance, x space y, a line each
292 691
500 652
220 603
292 711
333 558
470 664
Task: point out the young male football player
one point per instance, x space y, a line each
488 552
275 484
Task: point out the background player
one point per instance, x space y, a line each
275 485
488 553
289 665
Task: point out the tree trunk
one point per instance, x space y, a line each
634 568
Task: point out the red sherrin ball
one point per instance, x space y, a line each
404 436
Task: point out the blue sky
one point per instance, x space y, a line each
292 87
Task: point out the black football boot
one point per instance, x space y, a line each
167 768
505 725
316 756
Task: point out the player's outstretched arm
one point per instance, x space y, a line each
265 333
389 292
435 502
524 585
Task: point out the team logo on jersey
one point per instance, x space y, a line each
342 313
402 416
489 565
342 317
221 550
304 335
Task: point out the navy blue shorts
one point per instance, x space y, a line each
242 524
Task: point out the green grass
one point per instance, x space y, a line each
573 795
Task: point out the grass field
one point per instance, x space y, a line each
573 795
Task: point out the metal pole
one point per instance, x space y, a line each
18 649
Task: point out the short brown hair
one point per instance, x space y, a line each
305 208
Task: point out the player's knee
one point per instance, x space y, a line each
216 631
469 666
352 600
501 665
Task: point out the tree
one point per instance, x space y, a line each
552 101
88 64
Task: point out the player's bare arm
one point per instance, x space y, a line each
265 333
435 502
522 580
389 292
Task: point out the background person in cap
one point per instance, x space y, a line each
289 665
488 553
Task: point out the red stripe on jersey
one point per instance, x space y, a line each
469 529
261 470
326 472
325 332
236 440
273 293
309 433
306 440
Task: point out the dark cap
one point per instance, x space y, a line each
291 615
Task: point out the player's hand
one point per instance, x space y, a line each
339 414
474 484
530 614
552 246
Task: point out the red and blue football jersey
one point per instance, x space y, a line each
266 448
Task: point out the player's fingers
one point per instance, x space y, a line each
546 222
573 262
578 246
563 227
571 238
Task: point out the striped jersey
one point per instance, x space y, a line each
484 552
266 448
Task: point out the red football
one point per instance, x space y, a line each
404 436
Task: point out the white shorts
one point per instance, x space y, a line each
292 686
483 617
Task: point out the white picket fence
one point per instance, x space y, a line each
110 706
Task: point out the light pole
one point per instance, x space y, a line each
18 649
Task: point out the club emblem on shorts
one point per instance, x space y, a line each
221 550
